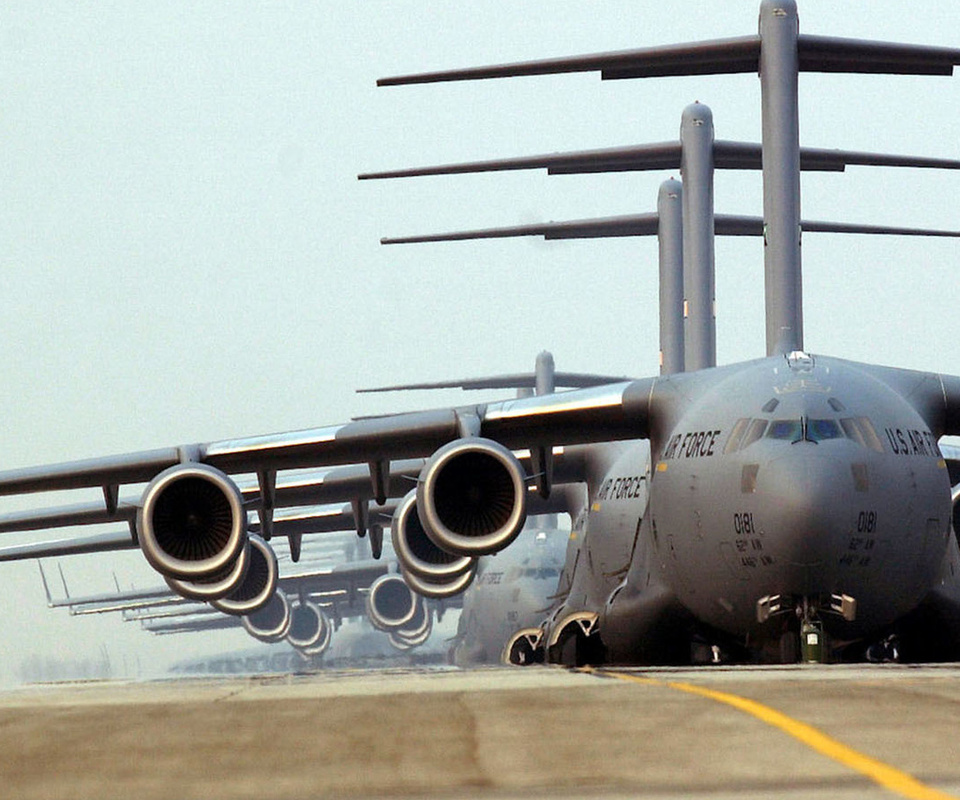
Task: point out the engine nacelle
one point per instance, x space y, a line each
402 642
259 584
320 647
270 623
418 630
308 624
440 589
417 552
390 603
217 586
472 497
191 524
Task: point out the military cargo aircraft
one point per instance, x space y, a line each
749 507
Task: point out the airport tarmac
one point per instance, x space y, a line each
790 732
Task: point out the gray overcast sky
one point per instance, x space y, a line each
187 254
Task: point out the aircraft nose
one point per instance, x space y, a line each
807 497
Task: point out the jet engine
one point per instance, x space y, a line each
320 647
417 631
471 497
191 524
216 586
259 584
417 552
270 623
390 603
308 625
441 588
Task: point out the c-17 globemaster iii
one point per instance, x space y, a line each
731 509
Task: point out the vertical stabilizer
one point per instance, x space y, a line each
699 282
670 240
779 67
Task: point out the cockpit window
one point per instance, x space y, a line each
784 429
870 437
861 430
735 435
820 429
754 432
852 430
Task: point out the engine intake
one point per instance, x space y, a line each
270 623
308 624
440 589
390 603
471 497
418 630
191 524
417 552
256 589
216 586
320 647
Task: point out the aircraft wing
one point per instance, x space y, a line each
718 56
79 545
317 503
616 411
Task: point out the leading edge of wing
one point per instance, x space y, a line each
614 411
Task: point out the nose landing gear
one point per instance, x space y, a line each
805 642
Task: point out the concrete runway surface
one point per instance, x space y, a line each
492 733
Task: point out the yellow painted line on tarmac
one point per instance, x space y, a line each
889 777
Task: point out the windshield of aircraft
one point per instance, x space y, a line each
793 429
859 429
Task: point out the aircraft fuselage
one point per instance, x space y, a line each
780 484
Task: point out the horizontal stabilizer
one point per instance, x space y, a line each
100 543
719 56
524 380
666 155
832 54
646 225
739 54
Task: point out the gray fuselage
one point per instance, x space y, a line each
802 478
